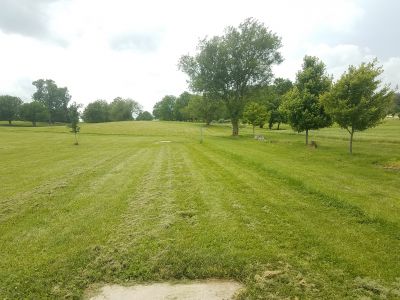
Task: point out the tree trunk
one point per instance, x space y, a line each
76 139
351 141
9 122
235 127
279 124
34 123
253 130
306 136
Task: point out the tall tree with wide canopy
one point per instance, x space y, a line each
302 104
55 99
358 100
9 106
227 66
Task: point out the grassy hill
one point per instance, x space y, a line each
146 201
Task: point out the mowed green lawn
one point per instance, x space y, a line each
128 206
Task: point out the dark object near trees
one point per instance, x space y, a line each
313 144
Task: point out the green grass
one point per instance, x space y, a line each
125 207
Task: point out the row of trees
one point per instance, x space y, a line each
118 110
235 68
50 103
189 107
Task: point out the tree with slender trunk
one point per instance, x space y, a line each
255 114
302 103
73 111
358 100
227 66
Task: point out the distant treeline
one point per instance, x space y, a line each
50 103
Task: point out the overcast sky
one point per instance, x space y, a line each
105 49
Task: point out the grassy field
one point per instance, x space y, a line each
145 201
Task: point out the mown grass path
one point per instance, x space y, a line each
125 206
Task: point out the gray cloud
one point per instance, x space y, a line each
141 42
28 18
378 29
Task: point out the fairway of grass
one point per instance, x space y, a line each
126 206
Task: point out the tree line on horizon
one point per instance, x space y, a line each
231 79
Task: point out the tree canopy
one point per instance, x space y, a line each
227 66
144 116
165 109
9 107
302 103
54 98
255 114
96 112
33 112
358 100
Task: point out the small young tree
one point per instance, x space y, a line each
73 112
9 107
302 104
358 100
255 114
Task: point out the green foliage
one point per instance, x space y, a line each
73 113
123 109
55 99
205 108
33 112
9 107
165 109
180 107
358 101
144 116
255 114
302 103
395 107
227 66
97 112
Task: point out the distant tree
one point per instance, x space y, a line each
395 107
144 116
255 114
205 108
97 112
55 99
164 109
73 113
124 109
358 100
180 107
227 66
33 112
302 104
281 87
9 107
